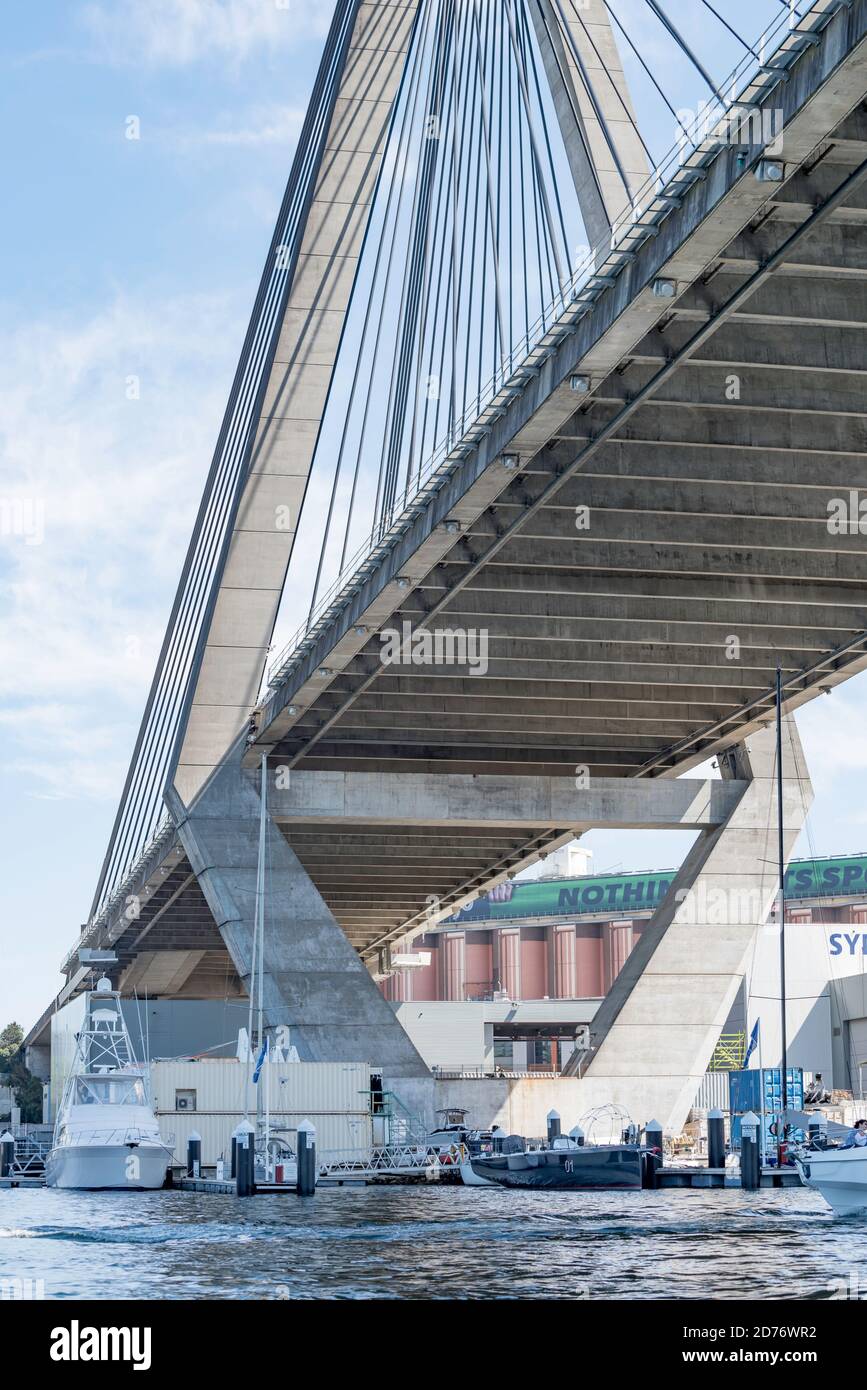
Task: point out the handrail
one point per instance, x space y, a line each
383 1158
84 1137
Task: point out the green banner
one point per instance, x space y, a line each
619 893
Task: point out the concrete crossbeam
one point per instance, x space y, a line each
728 466
784 530
645 555
800 301
753 589
796 390
348 798
815 347
754 429
628 620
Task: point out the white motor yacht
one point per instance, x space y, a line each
839 1174
106 1134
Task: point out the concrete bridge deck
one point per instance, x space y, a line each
611 542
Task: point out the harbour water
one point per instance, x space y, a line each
430 1243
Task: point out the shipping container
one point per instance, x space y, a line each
713 1093
747 1089
212 1096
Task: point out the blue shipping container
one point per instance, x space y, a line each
745 1093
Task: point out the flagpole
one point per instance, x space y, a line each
782 872
762 1153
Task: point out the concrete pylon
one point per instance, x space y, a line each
296 390
606 157
313 979
655 1033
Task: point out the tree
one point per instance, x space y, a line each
11 1039
27 1088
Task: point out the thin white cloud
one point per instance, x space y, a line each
115 482
176 33
272 125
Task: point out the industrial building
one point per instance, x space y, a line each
508 982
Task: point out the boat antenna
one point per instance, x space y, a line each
782 872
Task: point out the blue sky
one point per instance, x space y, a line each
128 272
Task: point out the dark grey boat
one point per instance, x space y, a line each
592 1168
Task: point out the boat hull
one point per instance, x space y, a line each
840 1175
95 1167
470 1178
588 1169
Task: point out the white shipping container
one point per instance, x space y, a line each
713 1093
212 1096
225 1084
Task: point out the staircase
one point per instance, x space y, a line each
402 1126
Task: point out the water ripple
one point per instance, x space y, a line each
395 1243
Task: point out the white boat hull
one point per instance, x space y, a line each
91 1167
840 1175
471 1178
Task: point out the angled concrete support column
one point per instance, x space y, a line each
313 979
654 1035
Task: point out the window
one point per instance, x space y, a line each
540 1051
93 1091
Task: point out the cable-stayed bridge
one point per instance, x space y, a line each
551 388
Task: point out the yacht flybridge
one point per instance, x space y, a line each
106 1134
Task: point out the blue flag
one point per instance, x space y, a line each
753 1043
260 1061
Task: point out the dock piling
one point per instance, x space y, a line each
7 1154
306 1185
194 1155
233 1162
553 1126
750 1161
244 1159
716 1139
651 1159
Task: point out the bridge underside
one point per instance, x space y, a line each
634 620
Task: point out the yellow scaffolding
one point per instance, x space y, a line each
729 1053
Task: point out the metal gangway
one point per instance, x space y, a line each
381 1162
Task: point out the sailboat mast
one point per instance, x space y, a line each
782 871
260 890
